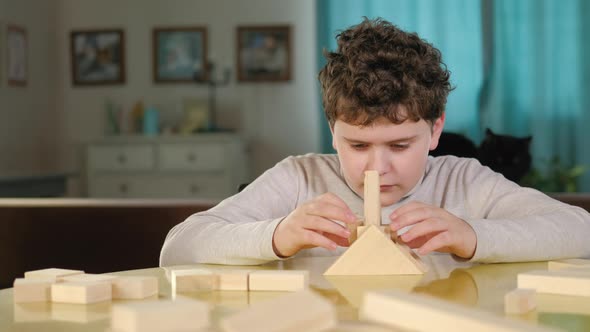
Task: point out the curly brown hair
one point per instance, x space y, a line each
379 67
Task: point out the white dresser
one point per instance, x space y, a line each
204 166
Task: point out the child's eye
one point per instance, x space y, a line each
359 146
399 147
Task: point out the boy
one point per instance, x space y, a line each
384 93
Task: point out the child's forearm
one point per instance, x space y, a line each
206 238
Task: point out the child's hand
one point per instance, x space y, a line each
435 229
311 225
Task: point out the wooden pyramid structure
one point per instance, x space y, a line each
374 253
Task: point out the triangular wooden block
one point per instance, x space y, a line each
373 253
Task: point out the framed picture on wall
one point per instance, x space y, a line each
16 55
98 57
180 55
264 53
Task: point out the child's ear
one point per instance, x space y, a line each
437 129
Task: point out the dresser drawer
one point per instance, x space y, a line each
210 186
213 186
204 157
122 186
114 158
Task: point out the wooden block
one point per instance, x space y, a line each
134 287
81 292
372 199
193 280
233 279
562 282
373 253
155 316
88 277
382 228
299 311
32 290
353 229
569 264
54 273
426 313
267 280
520 301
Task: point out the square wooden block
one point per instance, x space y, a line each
88 277
134 287
54 273
193 280
81 292
32 290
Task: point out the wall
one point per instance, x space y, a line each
27 114
277 119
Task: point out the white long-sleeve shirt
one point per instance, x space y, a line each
511 223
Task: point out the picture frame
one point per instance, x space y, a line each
180 54
16 55
264 53
97 57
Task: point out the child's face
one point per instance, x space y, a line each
397 151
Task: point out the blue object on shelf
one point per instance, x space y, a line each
151 119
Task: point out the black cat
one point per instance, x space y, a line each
504 154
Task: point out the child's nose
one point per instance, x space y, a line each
379 161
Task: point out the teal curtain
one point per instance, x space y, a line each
538 79
453 26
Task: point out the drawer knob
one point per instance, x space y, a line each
123 188
121 159
191 157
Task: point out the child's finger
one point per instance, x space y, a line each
330 211
436 243
411 217
320 224
317 240
406 208
333 199
423 228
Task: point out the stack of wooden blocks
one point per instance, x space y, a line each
73 286
562 277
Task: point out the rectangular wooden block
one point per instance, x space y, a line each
372 199
155 316
81 292
193 280
353 229
134 287
233 279
267 280
426 313
87 277
520 301
32 290
563 282
573 263
54 273
300 311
